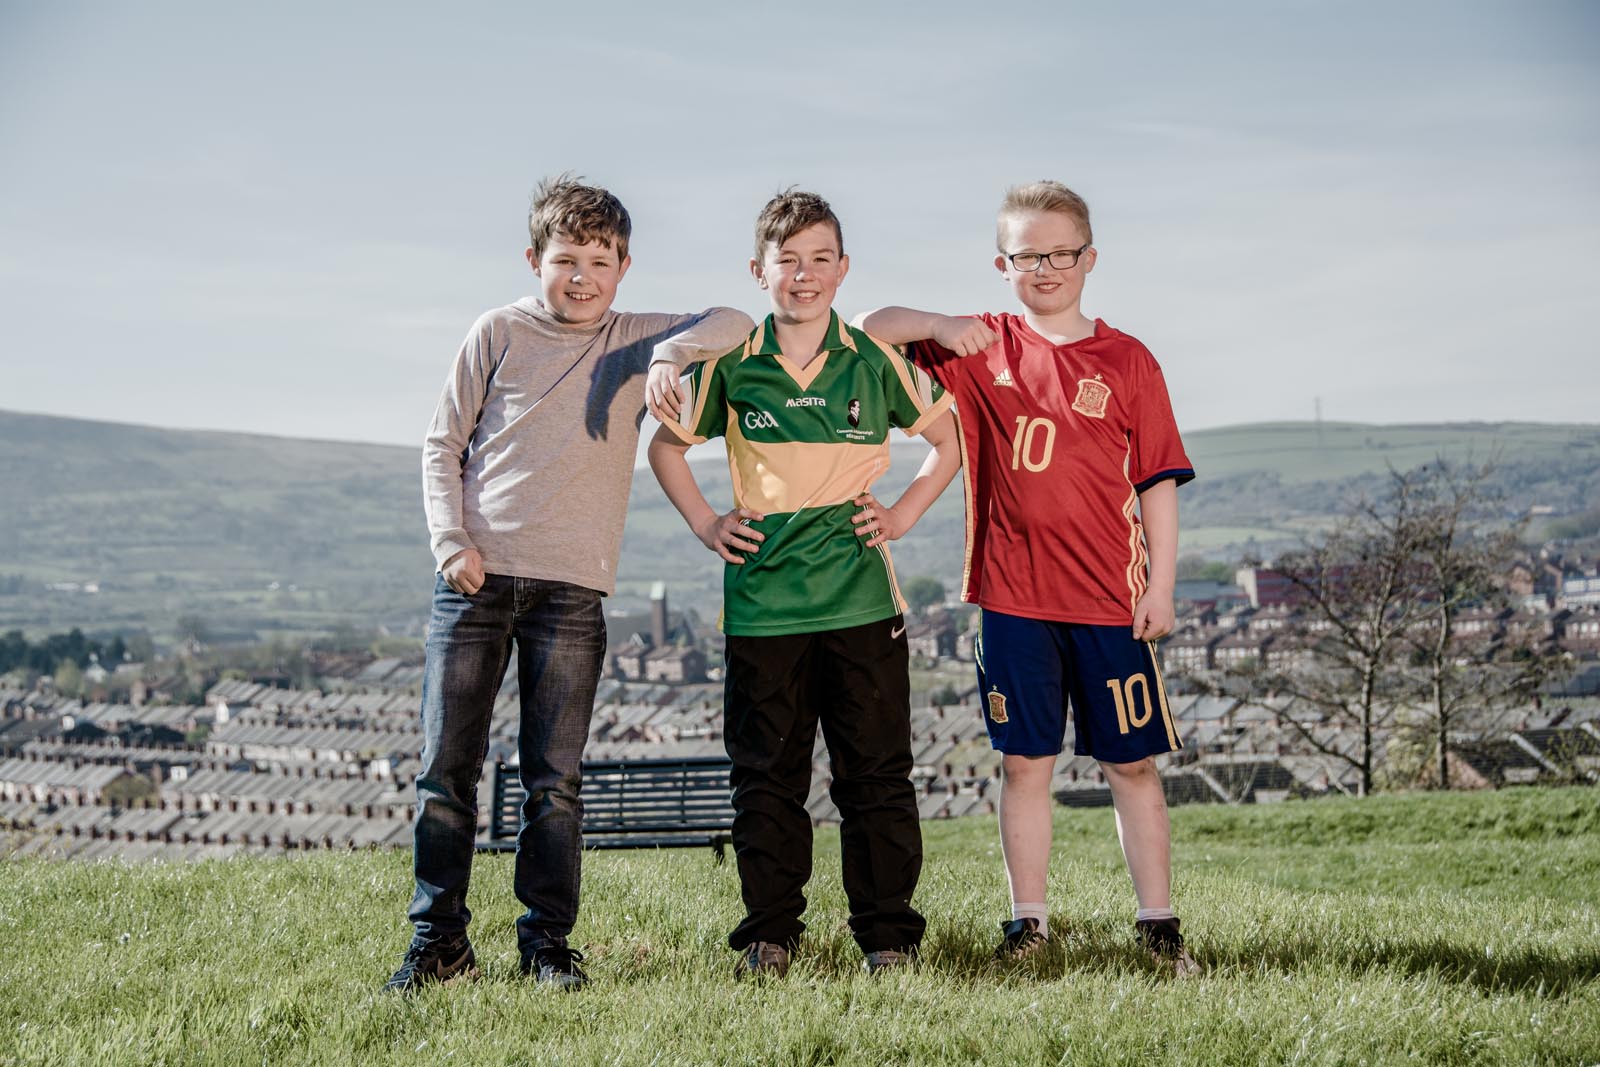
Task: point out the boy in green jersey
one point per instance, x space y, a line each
812 613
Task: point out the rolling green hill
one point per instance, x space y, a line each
248 534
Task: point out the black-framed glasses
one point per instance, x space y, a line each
1061 259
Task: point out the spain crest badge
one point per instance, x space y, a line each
1093 394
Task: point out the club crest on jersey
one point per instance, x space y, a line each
1004 378
997 707
1093 393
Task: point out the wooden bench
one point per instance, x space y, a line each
649 803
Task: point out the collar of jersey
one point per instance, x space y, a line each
764 342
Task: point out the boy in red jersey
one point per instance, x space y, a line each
1073 462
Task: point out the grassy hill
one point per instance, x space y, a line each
1443 929
251 534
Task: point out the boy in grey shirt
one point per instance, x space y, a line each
526 473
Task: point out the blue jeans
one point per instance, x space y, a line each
560 637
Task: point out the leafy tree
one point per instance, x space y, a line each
69 679
141 649
1197 568
13 650
126 792
923 592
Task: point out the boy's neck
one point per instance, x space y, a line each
1062 328
801 342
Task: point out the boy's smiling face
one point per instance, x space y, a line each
1048 290
803 274
579 281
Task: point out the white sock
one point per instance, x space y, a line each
1154 914
1036 912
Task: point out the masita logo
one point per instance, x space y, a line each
760 420
806 402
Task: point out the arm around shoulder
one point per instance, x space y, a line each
711 333
901 326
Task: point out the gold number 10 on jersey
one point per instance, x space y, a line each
1122 693
1022 445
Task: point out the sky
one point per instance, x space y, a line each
283 218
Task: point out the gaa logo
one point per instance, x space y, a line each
759 420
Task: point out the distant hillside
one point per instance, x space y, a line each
249 534
173 523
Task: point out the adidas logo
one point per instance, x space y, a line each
1005 378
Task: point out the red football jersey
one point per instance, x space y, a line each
1058 441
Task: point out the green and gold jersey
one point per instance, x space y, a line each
802 444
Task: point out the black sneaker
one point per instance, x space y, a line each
1161 939
885 959
763 959
1020 938
556 965
441 961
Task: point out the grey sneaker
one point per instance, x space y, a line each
556 965
888 958
1163 942
1019 939
440 961
762 959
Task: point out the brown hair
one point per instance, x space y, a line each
564 206
1042 196
790 212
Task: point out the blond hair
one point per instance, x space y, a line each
1042 196
564 206
790 212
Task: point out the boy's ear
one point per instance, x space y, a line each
844 266
1000 264
533 260
622 268
1086 261
758 273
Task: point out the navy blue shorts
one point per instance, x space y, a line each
1031 670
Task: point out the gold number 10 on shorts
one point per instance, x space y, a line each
1122 693
1022 445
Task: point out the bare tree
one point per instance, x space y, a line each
1357 595
1377 600
1457 677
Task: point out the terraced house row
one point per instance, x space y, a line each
263 769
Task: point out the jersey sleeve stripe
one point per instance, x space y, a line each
917 385
1181 475
939 407
695 383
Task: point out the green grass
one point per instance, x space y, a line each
1430 929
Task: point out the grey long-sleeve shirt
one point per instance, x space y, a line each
530 456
